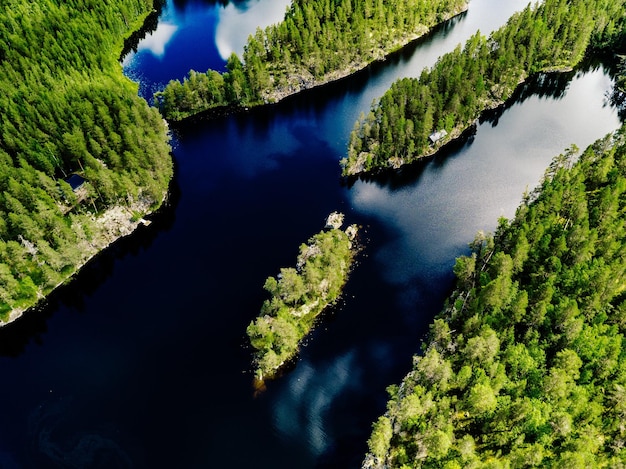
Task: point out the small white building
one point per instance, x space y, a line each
437 136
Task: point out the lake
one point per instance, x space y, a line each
142 361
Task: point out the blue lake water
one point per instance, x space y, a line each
196 35
142 361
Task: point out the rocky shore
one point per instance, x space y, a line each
113 224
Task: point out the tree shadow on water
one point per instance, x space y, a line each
552 85
409 174
548 85
149 26
31 327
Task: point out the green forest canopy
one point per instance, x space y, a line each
553 35
526 365
66 108
298 295
318 41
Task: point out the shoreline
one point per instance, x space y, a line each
300 82
456 135
112 225
380 55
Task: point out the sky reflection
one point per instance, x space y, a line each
430 223
156 41
236 24
304 404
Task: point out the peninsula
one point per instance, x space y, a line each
82 157
318 41
300 294
417 116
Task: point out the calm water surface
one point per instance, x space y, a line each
142 361
196 35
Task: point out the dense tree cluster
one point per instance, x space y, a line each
318 41
66 108
618 94
298 296
553 35
526 366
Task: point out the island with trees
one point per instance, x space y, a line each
298 295
82 157
417 116
526 365
317 42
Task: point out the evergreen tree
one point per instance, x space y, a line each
545 37
524 366
66 108
318 41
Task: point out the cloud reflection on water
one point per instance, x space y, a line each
304 404
431 222
156 41
236 24
417 224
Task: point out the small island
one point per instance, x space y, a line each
300 294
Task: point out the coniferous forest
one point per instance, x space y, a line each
526 364
318 41
524 367
549 36
75 140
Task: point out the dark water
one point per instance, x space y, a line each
142 361
195 35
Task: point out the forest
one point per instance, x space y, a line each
526 365
298 295
68 114
547 37
317 42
